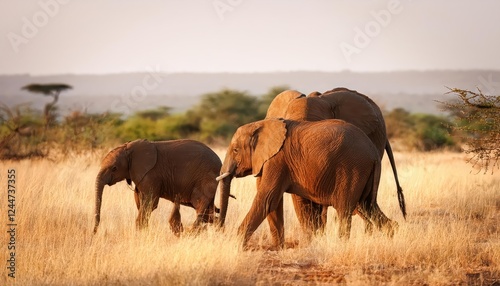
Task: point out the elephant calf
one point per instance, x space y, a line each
181 171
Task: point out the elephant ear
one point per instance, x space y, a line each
297 109
266 141
354 108
279 105
142 158
314 94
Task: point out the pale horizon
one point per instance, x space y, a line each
248 72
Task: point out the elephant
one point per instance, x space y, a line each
338 103
181 171
329 162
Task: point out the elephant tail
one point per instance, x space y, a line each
401 197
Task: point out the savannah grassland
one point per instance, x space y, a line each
451 235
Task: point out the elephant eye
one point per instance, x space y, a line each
235 150
114 169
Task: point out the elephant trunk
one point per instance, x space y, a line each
225 190
99 187
227 173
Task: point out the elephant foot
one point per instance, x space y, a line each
255 247
390 228
250 247
368 228
177 229
270 248
141 226
366 217
292 244
345 226
197 229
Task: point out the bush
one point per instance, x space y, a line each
176 127
421 132
24 134
137 127
432 132
219 114
81 131
399 123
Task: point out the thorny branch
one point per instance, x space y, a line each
478 123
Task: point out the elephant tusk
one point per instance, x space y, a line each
222 176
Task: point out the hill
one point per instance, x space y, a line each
414 90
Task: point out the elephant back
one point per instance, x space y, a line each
361 111
317 110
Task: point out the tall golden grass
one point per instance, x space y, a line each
451 235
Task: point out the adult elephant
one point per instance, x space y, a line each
181 171
330 162
338 103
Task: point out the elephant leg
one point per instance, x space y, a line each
381 221
148 203
175 218
345 219
201 217
312 217
276 221
205 213
324 215
136 197
203 202
344 212
387 225
263 204
365 216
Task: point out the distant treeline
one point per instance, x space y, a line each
25 132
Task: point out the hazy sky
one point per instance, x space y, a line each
111 36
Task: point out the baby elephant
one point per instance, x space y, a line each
181 171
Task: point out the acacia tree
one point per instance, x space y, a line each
53 90
478 120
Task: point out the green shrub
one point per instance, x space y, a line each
219 114
136 127
432 132
176 127
422 132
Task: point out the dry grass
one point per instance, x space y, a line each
451 235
